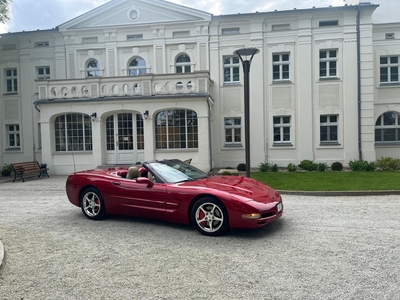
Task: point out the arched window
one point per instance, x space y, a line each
137 66
73 132
183 64
387 128
93 68
176 129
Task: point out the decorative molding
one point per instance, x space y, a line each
133 13
271 45
304 43
331 41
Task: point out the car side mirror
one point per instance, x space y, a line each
145 180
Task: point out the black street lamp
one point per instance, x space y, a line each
246 55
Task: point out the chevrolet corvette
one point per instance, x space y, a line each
175 191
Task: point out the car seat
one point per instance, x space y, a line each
133 173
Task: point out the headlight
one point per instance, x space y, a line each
251 216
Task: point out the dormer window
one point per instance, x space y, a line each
389 36
90 40
41 44
134 37
328 23
234 30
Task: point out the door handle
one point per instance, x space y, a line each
116 183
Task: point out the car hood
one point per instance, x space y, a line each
237 186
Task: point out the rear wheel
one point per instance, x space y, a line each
210 217
92 204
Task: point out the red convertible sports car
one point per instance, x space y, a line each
175 191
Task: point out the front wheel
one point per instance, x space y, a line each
210 217
92 204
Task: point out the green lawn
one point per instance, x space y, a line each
330 181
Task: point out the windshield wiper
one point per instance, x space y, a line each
185 180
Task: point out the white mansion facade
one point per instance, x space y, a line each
137 80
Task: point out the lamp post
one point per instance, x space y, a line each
245 56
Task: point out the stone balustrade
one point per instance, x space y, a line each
124 86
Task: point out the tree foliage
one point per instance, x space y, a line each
4 10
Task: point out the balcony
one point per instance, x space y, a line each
126 86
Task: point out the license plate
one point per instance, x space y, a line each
279 207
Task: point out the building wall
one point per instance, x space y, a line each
303 97
386 95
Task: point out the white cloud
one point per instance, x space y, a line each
3 27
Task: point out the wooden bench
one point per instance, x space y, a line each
28 167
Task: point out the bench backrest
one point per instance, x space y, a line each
25 166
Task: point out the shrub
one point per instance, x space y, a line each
304 164
226 173
371 166
388 163
361 165
264 167
308 165
321 167
241 167
291 167
6 170
337 166
275 168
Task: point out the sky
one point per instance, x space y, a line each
46 14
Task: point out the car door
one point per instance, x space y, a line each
138 199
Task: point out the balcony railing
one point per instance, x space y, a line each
142 85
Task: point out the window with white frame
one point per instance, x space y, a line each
93 68
231 69
389 66
387 128
11 80
282 130
234 30
43 72
233 131
13 136
328 128
280 67
176 129
328 62
42 44
182 64
137 66
73 132
134 37
139 132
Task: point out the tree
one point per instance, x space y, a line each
4 11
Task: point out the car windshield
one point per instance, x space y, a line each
174 171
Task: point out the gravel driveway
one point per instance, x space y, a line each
322 248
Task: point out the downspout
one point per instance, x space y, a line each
209 132
36 106
359 83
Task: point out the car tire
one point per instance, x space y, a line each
209 216
92 204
